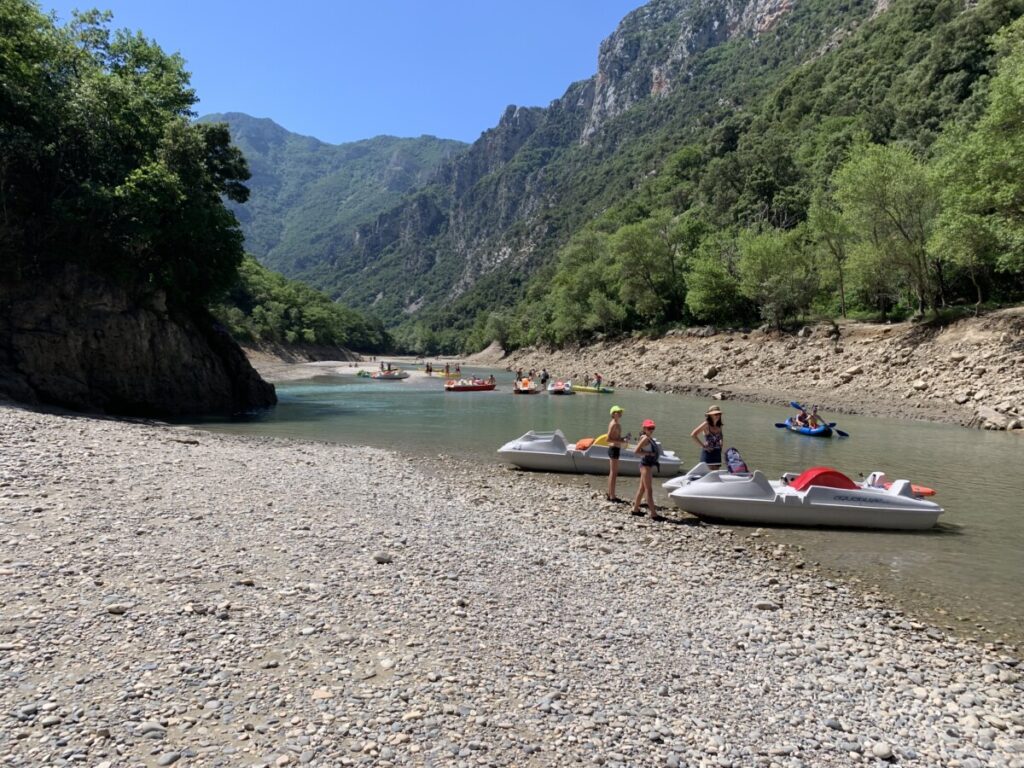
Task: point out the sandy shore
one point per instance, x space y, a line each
171 596
277 368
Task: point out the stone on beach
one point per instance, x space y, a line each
261 628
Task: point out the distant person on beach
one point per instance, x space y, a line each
648 450
615 444
711 431
544 376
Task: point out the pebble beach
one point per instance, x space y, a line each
170 596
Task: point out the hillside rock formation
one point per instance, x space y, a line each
80 342
498 210
634 64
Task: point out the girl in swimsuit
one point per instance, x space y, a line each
711 445
648 449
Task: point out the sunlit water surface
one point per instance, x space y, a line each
966 574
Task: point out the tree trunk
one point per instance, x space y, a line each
842 294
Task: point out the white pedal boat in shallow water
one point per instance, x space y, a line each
821 496
551 452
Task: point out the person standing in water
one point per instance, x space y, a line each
711 444
615 444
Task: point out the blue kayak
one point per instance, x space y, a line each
822 430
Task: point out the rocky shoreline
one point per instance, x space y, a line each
172 596
970 372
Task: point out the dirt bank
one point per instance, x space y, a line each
970 372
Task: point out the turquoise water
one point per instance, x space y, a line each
971 566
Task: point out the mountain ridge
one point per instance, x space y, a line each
303 188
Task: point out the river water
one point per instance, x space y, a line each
967 574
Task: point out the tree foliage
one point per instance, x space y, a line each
100 164
265 306
884 175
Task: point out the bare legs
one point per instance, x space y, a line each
646 488
613 475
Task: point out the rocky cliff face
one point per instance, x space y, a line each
649 52
486 209
79 342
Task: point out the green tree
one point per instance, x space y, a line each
777 273
887 198
832 233
585 278
712 282
100 165
980 172
652 256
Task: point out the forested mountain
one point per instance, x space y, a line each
264 306
306 195
732 161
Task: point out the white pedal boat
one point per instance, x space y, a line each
551 452
821 496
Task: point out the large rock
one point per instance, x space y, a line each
79 341
989 418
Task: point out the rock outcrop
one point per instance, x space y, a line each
80 342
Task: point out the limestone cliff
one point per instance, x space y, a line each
80 342
652 47
502 208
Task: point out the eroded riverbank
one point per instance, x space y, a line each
969 372
172 594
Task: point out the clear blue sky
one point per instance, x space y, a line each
342 70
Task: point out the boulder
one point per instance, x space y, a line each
710 372
855 370
920 385
989 418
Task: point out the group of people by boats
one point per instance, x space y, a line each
707 434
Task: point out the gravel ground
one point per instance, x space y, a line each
169 596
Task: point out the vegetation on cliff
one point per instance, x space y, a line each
103 168
265 306
305 194
883 177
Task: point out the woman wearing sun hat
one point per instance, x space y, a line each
615 443
711 431
649 450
